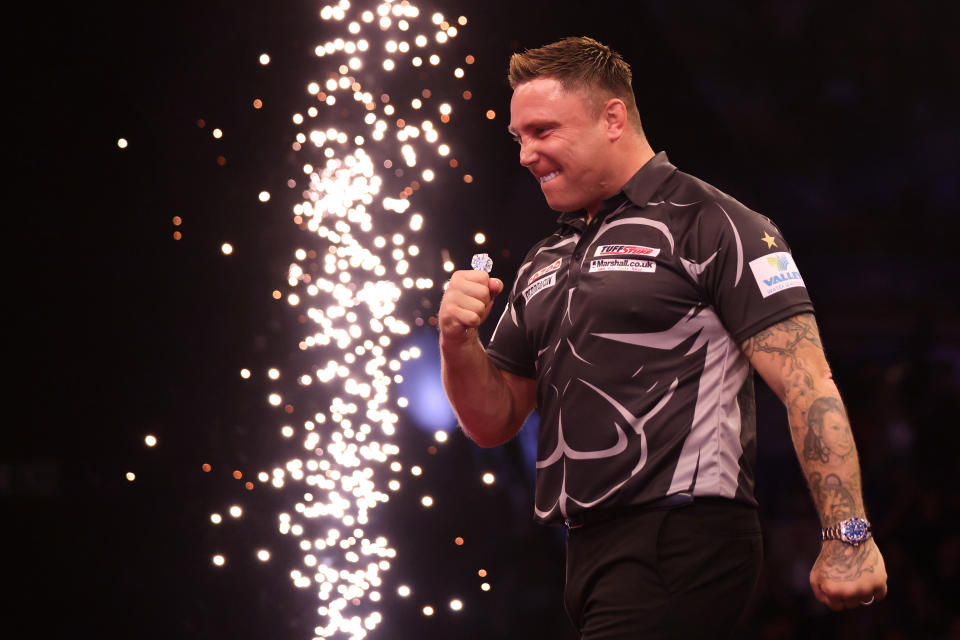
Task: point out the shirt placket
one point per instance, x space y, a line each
586 239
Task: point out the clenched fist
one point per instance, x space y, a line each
847 576
466 304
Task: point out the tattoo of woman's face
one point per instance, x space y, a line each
828 431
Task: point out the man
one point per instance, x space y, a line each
634 329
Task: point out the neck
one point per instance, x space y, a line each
634 157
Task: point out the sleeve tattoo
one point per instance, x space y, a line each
789 356
790 352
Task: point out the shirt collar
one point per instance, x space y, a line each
638 189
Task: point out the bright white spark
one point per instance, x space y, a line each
346 286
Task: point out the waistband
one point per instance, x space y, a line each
671 501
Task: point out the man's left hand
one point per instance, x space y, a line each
847 577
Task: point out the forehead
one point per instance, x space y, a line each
545 99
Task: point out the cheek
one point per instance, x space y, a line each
593 156
834 433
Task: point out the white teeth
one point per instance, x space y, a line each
549 177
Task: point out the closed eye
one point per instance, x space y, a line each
536 132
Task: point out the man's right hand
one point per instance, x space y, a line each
466 304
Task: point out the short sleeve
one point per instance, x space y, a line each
745 268
509 348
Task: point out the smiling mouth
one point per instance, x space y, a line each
550 176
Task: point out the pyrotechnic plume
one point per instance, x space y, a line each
370 135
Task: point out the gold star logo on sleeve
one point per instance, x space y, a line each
770 240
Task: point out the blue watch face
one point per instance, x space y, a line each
854 530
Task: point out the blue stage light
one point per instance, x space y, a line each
421 385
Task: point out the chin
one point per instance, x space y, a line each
563 207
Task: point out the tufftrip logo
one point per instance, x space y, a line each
627 250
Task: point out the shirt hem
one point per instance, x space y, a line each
796 309
510 366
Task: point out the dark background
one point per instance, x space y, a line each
837 120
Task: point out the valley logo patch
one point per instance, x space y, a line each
775 272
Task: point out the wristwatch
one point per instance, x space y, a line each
851 531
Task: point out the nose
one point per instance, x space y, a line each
528 153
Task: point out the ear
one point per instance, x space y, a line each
615 118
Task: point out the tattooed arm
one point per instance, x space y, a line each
790 358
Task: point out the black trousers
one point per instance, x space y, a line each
684 572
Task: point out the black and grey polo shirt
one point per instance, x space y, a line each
632 327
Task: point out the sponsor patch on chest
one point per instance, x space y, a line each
775 272
626 250
539 285
553 266
622 264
